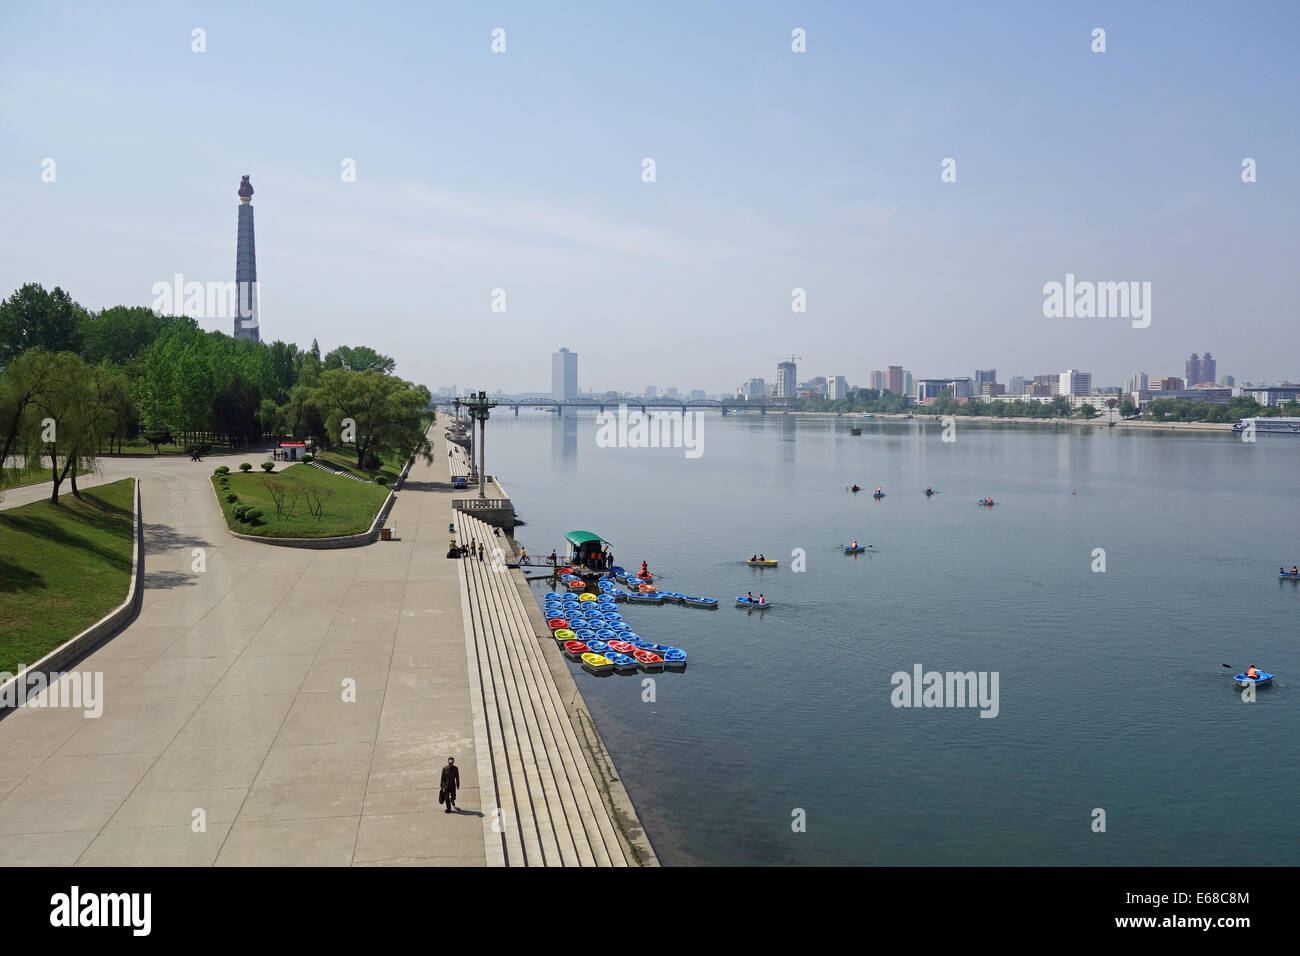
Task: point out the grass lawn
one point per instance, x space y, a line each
17 477
350 511
131 448
62 568
389 465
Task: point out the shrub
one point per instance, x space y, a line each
239 511
268 466
308 457
381 480
372 461
252 515
222 470
245 466
231 497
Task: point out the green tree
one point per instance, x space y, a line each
21 383
386 414
118 334
33 318
359 359
73 416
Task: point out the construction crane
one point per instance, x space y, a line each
782 358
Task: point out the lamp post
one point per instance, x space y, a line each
480 407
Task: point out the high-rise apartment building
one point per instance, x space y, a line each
786 373
894 382
1075 383
837 387
564 375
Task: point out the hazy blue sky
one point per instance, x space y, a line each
775 170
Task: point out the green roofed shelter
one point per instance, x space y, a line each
579 538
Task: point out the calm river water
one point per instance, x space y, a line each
1111 691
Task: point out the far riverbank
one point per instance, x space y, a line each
991 420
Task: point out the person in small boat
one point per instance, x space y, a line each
761 599
1251 672
855 488
753 557
750 594
762 557
929 490
1295 570
854 546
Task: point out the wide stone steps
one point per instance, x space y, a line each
316 463
548 810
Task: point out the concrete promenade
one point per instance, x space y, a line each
226 696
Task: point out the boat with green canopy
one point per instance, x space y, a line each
583 546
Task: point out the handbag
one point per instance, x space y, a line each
442 795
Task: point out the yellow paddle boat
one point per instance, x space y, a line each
597 663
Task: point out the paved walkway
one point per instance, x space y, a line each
225 695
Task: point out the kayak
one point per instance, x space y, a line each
989 502
877 494
700 601
597 663
768 563
1261 679
860 548
928 492
650 598
1288 574
746 602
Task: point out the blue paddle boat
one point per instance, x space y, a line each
743 601
858 550
622 663
693 601
674 658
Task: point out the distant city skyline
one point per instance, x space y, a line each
782 180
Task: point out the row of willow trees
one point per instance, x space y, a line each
75 384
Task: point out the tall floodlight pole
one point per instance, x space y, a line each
480 407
